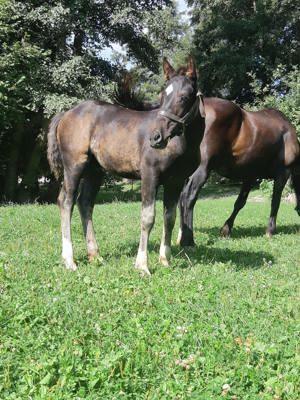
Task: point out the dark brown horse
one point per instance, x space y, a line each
240 145
95 137
247 146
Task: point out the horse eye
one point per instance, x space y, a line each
183 99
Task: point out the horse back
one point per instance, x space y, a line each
114 135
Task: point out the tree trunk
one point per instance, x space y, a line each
78 42
11 181
29 188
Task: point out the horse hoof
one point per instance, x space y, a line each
269 235
71 266
225 232
187 242
143 270
185 239
92 256
164 261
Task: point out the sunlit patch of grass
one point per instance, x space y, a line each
222 322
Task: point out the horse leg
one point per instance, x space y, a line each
149 188
278 186
170 201
66 200
295 175
89 188
238 205
187 202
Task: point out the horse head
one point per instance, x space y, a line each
180 103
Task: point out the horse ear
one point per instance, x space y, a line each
169 71
191 71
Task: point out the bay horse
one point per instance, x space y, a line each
240 145
246 146
95 137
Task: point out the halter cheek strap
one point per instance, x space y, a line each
201 105
198 104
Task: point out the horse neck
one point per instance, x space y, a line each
194 131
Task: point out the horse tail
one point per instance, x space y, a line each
295 178
53 152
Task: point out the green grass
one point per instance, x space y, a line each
227 312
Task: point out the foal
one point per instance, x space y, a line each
95 137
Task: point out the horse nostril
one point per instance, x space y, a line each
157 137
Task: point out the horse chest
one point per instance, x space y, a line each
174 154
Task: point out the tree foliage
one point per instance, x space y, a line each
50 58
287 102
234 39
171 37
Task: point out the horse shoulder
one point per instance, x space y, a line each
222 126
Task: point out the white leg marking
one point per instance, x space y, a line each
67 254
164 254
179 236
141 262
165 244
147 221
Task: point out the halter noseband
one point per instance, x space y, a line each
185 120
189 115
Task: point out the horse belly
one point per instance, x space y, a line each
246 166
252 158
121 159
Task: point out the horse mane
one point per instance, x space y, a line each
127 96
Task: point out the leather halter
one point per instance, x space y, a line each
186 119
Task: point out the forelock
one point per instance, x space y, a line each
181 70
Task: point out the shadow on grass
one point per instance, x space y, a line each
184 258
131 192
119 192
240 259
252 231
216 191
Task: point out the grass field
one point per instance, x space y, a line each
222 322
